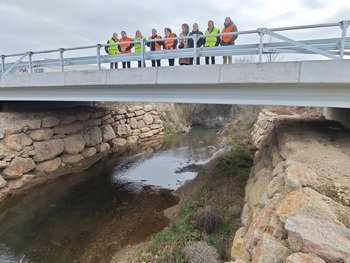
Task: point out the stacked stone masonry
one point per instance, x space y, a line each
287 216
32 145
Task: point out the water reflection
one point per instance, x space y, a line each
86 217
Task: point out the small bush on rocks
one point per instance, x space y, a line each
207 220
200 252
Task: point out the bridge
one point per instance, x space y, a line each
322 82
306 83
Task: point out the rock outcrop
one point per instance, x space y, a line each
297 196
34 144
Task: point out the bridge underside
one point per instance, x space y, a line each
325 95
307 83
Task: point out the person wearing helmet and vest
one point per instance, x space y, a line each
139 41
170 44
211 41
125 48
227 40
155 46
112 50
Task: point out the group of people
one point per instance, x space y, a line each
125 44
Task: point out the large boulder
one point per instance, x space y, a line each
17 141
300 175
257 187
47 150
269 249
50 121
238 250
41 135
21 182
103 147
88 152
74 144
147 118
118 142
324 238
68 158
264 221
18 167
123 130
308 203
93 136
68 129
107 133
49 166
2 182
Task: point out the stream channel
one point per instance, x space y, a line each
118 201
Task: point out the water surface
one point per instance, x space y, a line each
87 216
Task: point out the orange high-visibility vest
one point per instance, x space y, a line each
169 43
228 29
123 45
156 45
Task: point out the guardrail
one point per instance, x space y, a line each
332 48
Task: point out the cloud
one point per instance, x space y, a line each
39 25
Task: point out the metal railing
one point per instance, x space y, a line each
332 48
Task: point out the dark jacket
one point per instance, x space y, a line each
152 45
200 41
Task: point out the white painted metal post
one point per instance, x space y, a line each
194 38
261 34
98 52
30 62
2 64
61 50
344 26
143 43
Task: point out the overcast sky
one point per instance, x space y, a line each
33 25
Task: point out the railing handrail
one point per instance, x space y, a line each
261 48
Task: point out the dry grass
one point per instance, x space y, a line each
200 252
207 220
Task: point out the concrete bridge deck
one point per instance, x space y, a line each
324 83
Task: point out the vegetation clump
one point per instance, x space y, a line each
207 220
200 252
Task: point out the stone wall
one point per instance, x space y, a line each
297 196
33 145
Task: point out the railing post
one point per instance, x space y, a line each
30 62
143 43
194 38
61 50
344 26
2 64
98 53
261 46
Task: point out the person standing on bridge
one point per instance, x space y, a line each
155 46
113 50
211 41
200 41
125 48
184 43
227 40
139 41
170 44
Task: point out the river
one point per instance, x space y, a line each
87 216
